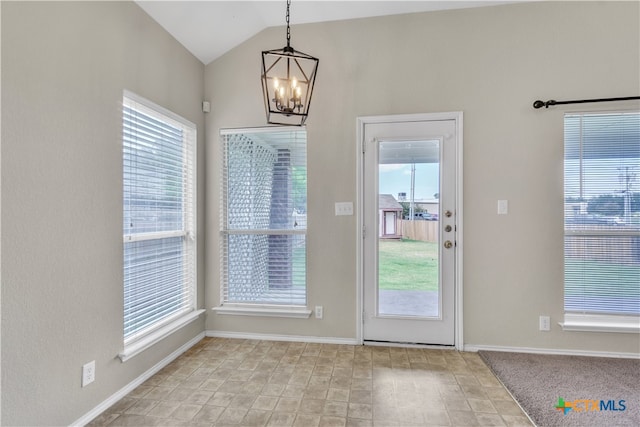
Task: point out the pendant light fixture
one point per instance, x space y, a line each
288 77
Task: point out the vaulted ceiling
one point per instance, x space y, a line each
208 29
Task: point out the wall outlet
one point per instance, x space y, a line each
319 312
88 373
545 323
503 207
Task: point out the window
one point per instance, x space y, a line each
159 218
602 221
264 217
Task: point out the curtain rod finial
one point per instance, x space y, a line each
539 104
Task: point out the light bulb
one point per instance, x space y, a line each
276 83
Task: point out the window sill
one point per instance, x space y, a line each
600 323
141 345
263 310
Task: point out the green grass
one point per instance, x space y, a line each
299 267
592 274
408 265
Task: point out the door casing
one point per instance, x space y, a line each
457 116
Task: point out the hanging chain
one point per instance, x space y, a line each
288 29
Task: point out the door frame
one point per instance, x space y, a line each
458 273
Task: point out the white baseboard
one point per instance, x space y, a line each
289 338
565 352
85 419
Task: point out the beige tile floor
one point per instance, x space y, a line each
225 382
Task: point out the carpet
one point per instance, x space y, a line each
590 391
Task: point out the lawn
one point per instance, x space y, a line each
584 288
591 274
408 265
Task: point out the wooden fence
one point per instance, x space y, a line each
426 231
622 246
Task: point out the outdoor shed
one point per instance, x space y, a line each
390 226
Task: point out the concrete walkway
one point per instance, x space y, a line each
408 303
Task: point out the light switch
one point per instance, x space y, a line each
503 207
344 208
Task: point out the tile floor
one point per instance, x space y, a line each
225 382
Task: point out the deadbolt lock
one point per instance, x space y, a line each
448 244
447 228
448 214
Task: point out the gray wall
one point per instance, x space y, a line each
64 66
491 63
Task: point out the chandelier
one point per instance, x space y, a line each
288 77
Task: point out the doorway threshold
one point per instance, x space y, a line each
408 345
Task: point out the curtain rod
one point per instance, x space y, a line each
539 104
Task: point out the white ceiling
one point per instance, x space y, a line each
208 29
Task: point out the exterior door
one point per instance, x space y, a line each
390 223
409 282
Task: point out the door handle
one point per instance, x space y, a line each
447 228
448 244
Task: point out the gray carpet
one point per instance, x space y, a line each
537 381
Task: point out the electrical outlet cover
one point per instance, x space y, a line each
88 373
503 207
545 323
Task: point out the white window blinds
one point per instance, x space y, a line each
159 216
264 217
602 213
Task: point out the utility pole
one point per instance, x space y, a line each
627 176
413 191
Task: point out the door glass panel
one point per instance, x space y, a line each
408 222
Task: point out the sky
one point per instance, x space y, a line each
396 178
601 176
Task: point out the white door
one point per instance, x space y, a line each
409 283
390 223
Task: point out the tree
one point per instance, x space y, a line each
406 210
606 204
612 205
635 202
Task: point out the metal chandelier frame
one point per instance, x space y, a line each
288 78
